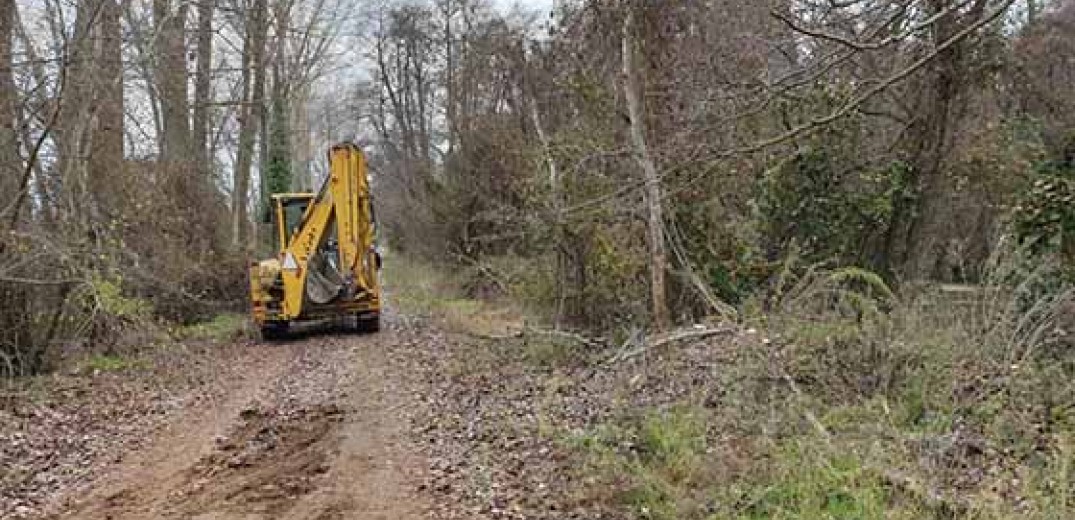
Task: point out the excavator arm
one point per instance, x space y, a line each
327 263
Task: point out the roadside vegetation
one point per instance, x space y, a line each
937 408
841 400
776 259
137 146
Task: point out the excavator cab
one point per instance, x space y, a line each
286 212
326 263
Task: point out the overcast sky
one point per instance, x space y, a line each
537 5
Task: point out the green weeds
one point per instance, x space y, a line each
859 405
99 363
416 288
222 328
657 465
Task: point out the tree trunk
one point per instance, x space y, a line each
10 161
636 112
563 260
75 100
203 88
105 158
249 117
449 69
302 148
171 80
276 171
39 102
784 55
917 241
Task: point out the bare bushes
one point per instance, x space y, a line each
34 289
850 315
44 320
22 340
109 288
165 243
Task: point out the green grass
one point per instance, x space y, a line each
804 481
97 363
663 466
222 328
417 288
656 465
910 415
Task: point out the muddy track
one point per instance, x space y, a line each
316 435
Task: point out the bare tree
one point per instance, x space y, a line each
633 94
106 156
76 105
252 99
171 79
10 160
203 87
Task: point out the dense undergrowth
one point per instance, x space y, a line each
61 302
835 398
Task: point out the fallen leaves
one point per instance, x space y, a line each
494 426
58 432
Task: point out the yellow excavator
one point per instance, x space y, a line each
326 266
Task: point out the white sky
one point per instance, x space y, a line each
532 5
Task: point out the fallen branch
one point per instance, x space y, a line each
696 333
535 331
563 334
691 334
635 345
495 337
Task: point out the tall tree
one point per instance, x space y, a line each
76 100
636 110
106 165
276 176
203 87
171 77
10 161
301 144
250 111
917 240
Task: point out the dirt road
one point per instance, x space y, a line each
418 421
317 433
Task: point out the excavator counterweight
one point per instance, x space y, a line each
327 264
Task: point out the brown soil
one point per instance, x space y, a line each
314 436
